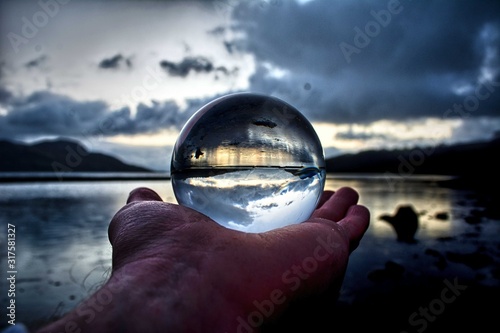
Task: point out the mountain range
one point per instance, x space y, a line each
59 156
476 159
473 159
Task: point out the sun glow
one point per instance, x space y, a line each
163 138
385 133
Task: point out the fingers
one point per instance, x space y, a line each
341 207
143 194
324 198
337 204
355 223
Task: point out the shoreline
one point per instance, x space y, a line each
26 177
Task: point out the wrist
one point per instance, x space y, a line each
138 297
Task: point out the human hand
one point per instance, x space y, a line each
176 270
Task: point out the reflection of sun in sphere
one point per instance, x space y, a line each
250 162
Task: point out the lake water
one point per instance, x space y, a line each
63 253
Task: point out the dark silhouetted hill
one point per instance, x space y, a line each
60 156
478 159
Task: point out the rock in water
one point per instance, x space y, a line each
405 223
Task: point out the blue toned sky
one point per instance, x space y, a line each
124 76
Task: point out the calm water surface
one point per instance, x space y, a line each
63 253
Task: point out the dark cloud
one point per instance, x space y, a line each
218 31
192 64
336 61
36 62
45 113
183 68
5 96
2 67
351 135
399 65
148 119
229 47
115 62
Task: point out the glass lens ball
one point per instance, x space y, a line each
250 162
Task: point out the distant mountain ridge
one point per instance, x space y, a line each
59 156
478 159
67 155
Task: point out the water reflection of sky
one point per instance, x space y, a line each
426 197
438 240
426 200
62 247
63 251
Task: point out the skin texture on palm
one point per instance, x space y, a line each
176 270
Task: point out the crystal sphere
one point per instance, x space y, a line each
250 162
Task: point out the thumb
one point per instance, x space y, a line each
143 194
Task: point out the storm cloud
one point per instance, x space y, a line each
115 62
191 64
5 96
375 73
39 61
371 60
147 119
45 113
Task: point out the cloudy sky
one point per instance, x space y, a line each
124 76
